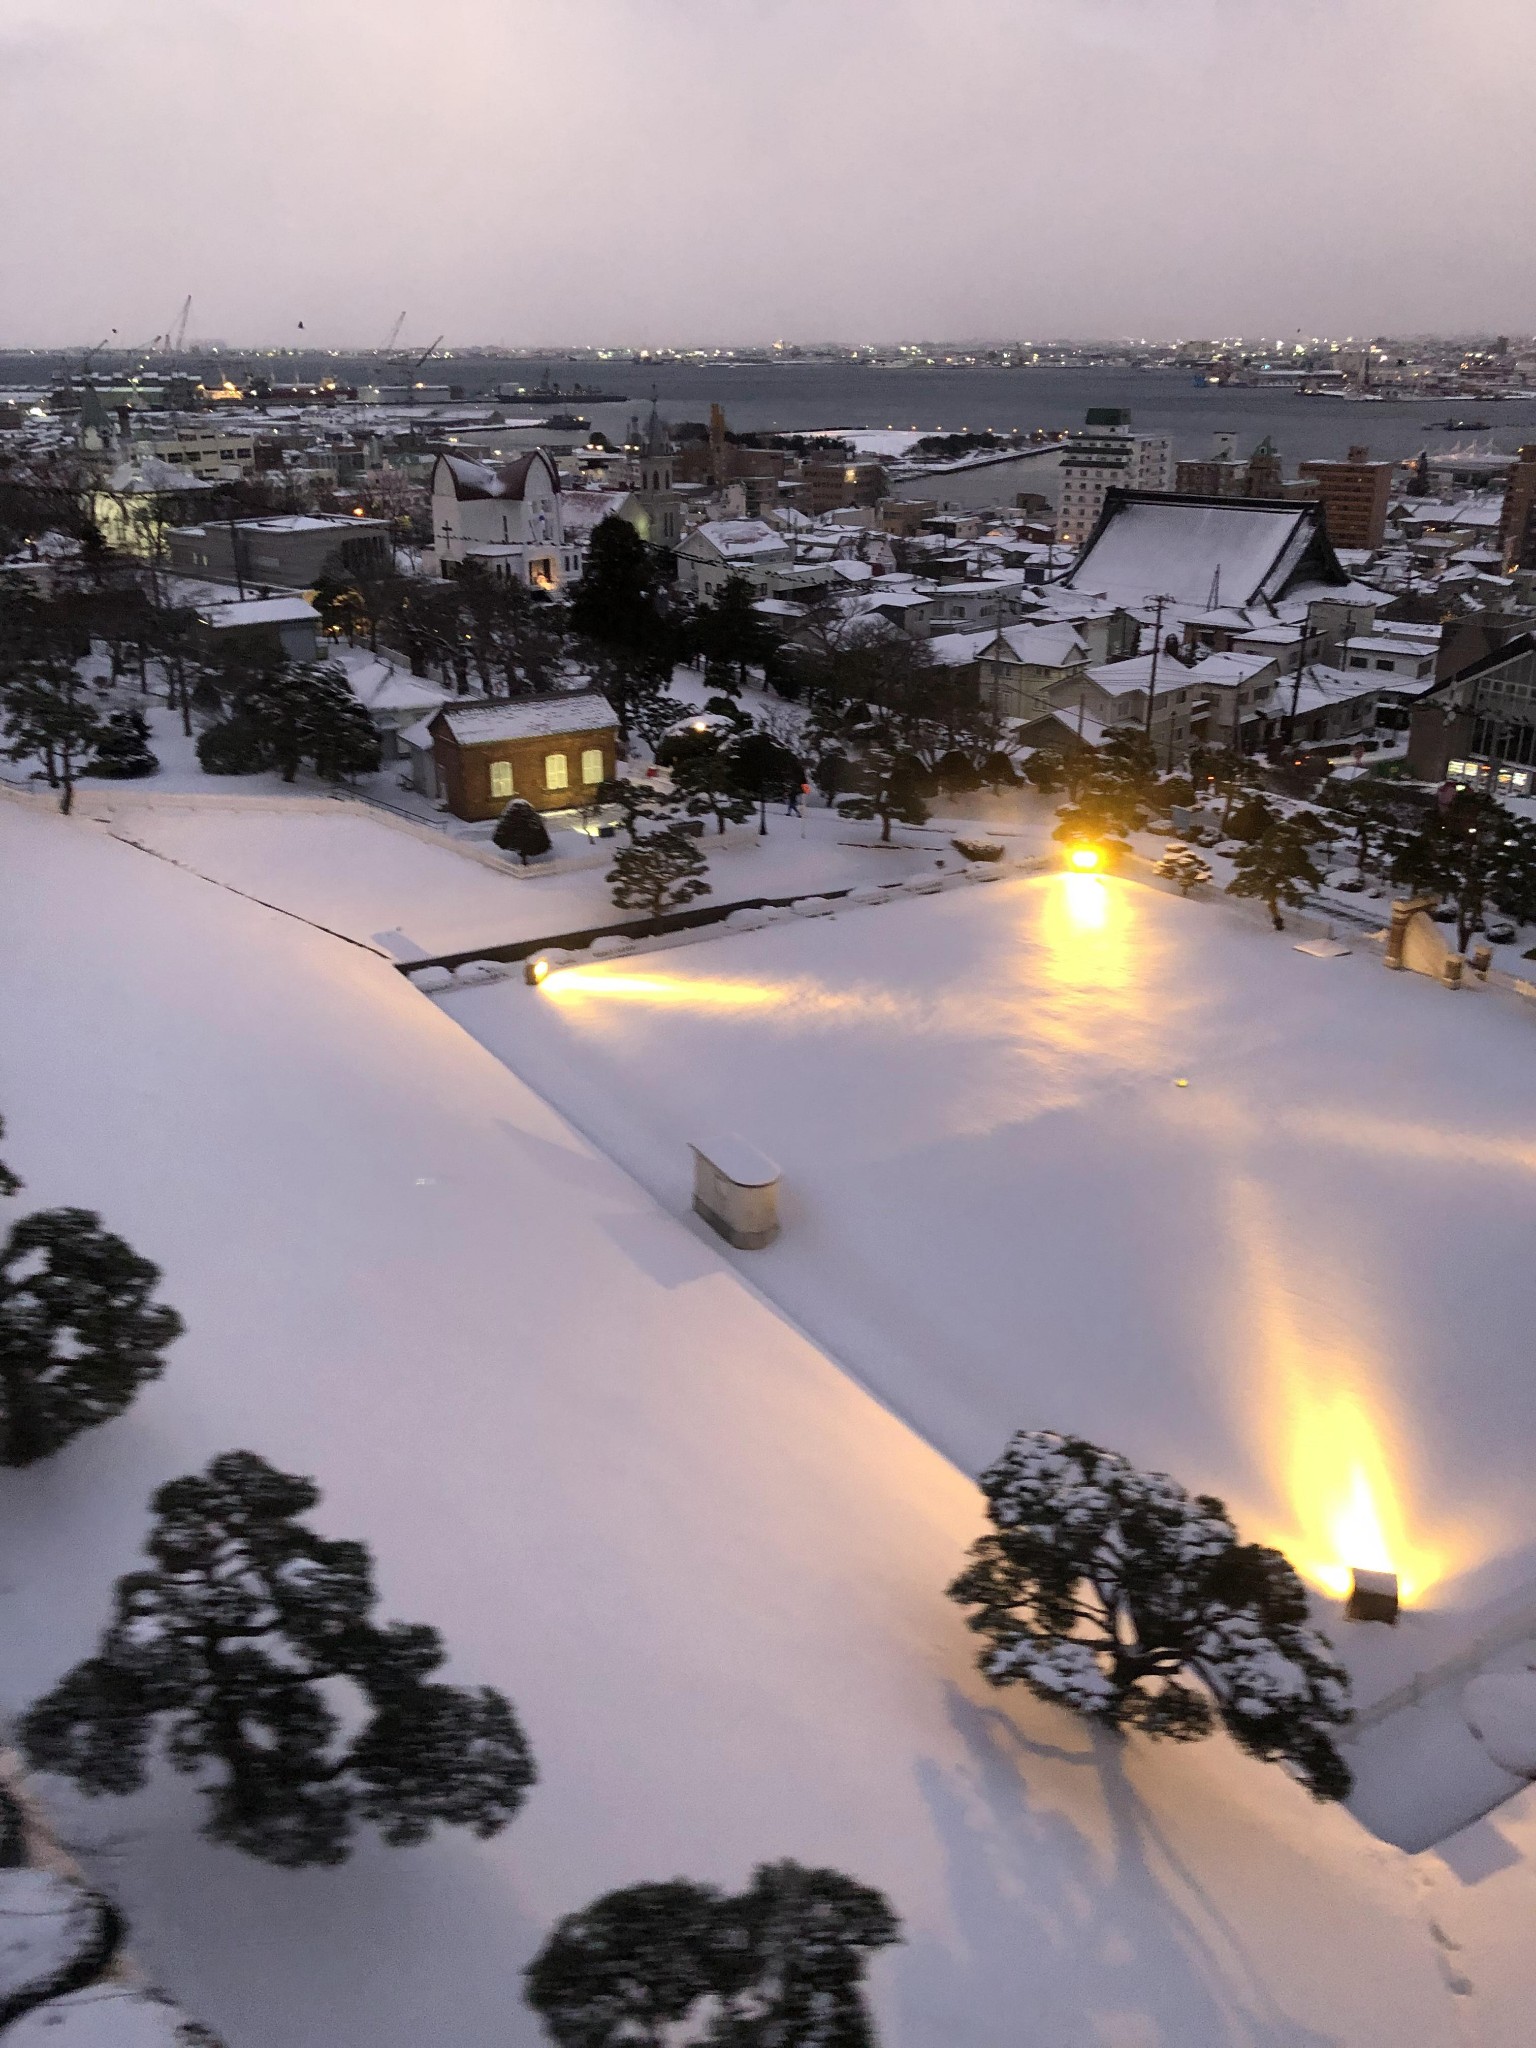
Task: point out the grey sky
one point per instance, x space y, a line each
726 170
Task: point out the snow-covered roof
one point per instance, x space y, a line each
954 650
380 686
526 718
1057 645
1191 549
260 611
581 511
458 477
739 540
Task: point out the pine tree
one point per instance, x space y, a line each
1102 1587
1183 865
791 1967
231 1645
10 1183
79 1334
521 830
1277 868
763 768
637 803
1474 852
780 1965
123 751
707 783
1252 818
730 634
892 793
657 873
49 717
627 1967
285 716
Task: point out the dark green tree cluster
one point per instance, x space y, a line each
1473 854
235 1644
781 1963
1277 867
1116 1593
80 1332
286 715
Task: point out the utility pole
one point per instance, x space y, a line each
1157 643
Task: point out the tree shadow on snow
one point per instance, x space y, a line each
1062 1939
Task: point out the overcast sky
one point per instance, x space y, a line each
644 171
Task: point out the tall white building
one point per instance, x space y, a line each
1105 453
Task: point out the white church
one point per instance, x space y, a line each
506 517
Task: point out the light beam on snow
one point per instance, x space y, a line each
1340 1462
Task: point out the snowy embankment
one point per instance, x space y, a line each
707 1567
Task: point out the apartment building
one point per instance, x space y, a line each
1353 494
1106 454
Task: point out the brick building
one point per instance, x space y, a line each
552 750
1353 494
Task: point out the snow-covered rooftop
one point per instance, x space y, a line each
1196 551
260 611
522 718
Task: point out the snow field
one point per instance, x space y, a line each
705 1565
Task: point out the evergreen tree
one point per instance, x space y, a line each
1101 1587
123 751
636 802
707 784
521 830
893 790
1277 868
289 715
1183 865
780 1965
235 746
730 634
1366 811
791 1965
619 605
10 1183
1475 853
659 872
49 717
628 1967
79 1334
1252 818
231 1645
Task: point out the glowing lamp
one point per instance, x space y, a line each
1372 1597
1084 859
535 970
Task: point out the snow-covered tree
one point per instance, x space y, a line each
709 787
637 803
892 790
780 1963
1109 1590
232 1644
1183 865
1475 853
49 717
628 1967
123 751
79 1333
521 830
10 1183
291 715
1276 868
659 872
793 1961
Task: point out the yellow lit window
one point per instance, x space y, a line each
557 772
501 778
592 764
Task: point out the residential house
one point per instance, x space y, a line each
1221 700
1021 664
721 548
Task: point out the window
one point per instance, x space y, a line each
557 772
1384 664
592 764
501 778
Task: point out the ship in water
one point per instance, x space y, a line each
549 392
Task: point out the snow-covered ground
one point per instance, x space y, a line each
1078 1154
706 1565
362 873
